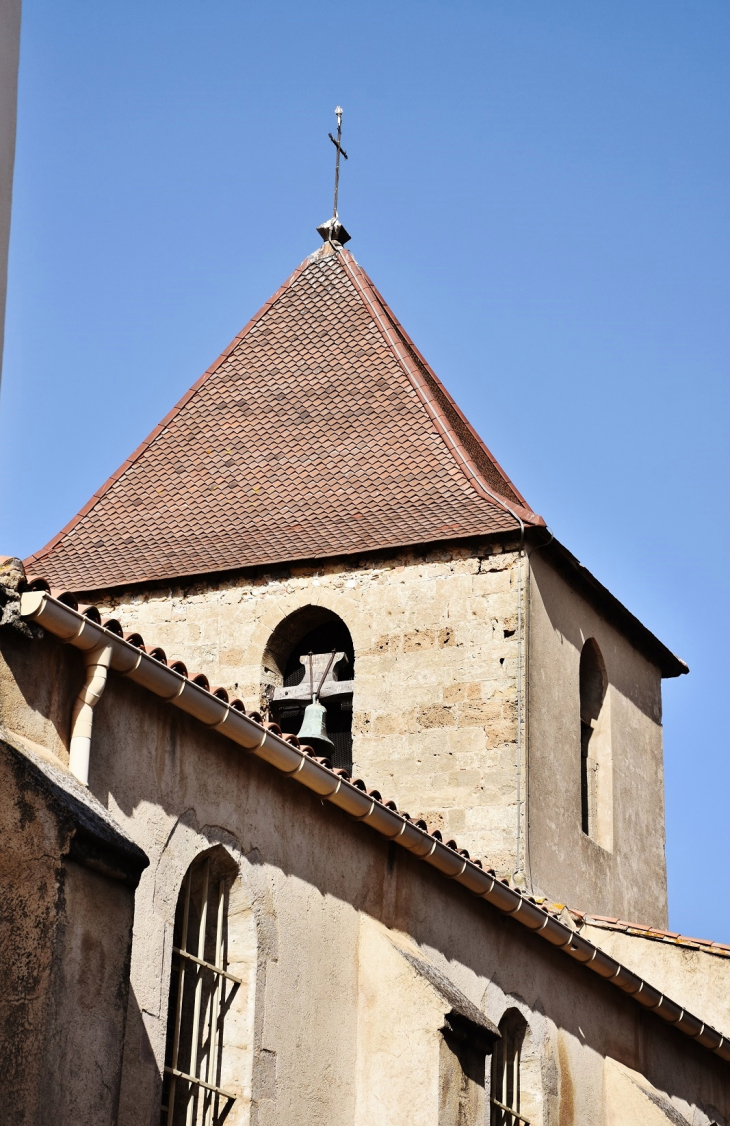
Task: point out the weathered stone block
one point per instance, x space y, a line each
436 716
418 639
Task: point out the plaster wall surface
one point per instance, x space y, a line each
629 879
436 669
313 883
318 896
65 942
38 707
694 978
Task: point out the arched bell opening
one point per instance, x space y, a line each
310 657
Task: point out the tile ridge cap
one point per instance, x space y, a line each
441 424
654 934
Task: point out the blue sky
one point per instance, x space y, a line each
539 190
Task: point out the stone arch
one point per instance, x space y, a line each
285 686
339 602
185 848
517 1052
596 762
289 633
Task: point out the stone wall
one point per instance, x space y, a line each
436 671
437 691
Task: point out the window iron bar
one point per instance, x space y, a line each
202 926
206 965
508 1110
179 1001
211 1062
200 1083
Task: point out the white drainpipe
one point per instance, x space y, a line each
97 662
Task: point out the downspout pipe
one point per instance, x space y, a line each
97 662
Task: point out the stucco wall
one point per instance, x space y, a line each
629 880
691 976
37 689
313 885
314 879
65 944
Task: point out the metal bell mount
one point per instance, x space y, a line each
314 724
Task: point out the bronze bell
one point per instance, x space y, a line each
314 728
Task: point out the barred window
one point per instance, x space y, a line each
506 1067
201 992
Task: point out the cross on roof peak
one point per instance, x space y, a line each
332 230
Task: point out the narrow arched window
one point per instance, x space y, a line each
201 992
310 656
594 745
506 1072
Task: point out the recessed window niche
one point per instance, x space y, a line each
596 765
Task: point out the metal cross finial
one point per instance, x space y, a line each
338 146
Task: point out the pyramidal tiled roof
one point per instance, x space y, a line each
320 431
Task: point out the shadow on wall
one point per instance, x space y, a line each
37 704
152 764
574 619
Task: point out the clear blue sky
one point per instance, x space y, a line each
539 189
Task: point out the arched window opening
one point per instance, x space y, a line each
201 993
311 655
595 756
461 1075
506 1072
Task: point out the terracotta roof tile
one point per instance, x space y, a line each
319 431
641 930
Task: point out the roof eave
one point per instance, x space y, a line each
634 630
88 593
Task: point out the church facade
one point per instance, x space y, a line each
345 774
